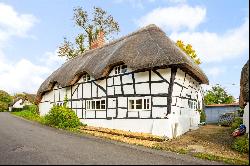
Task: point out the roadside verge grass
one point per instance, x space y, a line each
30 115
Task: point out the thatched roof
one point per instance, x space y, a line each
244 85
24 96
146 48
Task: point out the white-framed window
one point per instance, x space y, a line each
97 104
192 104
86 77
139 103
120 69
59 104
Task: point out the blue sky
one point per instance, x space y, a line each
31 31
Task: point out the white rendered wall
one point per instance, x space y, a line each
246 117
18 104
185 89
161 127
44 108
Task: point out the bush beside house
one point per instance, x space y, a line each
62 117
236 123
202 116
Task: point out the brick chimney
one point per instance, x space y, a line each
99 41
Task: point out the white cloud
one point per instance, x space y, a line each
134 3
21 75
13 23
213 47
52 59
140 4
215 71
177 1
25 76
175 18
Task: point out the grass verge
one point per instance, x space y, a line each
30 115
212 157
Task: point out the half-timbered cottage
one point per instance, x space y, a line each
141 82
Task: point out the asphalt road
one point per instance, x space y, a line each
26 142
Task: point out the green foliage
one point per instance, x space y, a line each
240 112
19 95
65 101
25 96
241 144
101 21
30 113
236 123
33 108
3 106
189 51
225 123
232 161
67 49
17 109
62 117
218 95
5 100
202 116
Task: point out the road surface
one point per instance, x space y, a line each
26 142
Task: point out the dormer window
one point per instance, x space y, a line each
86 77
120 69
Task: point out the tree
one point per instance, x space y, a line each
5 100
189 51
218 95
18 95
101 22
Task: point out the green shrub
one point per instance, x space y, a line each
240 112
226 123
236 123
32 108
29 114
202 116
241 144
62 117
5 100
3 106
17 109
